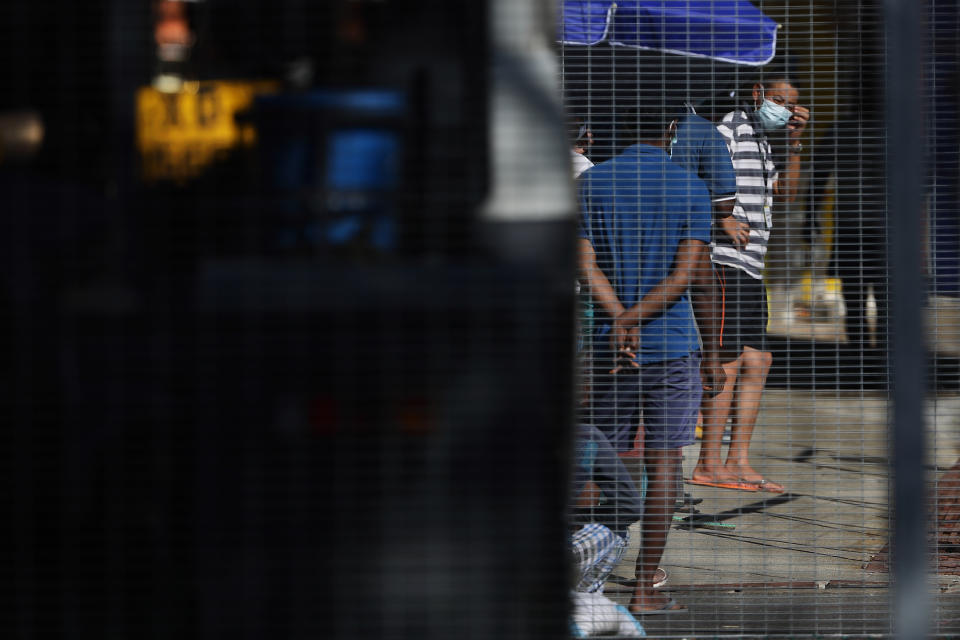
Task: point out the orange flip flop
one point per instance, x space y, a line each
739 486
763 485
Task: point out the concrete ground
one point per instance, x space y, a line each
794 563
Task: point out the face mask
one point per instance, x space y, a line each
772 115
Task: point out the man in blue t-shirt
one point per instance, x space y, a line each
697 145
644 228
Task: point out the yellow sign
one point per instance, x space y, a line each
180 134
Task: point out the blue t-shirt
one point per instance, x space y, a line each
636 208
702 150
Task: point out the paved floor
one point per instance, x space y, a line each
794 564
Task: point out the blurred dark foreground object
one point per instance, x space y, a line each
217 435
275 464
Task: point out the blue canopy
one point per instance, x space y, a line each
728 30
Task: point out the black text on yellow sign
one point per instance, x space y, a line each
181 134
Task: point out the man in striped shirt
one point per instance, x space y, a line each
740 272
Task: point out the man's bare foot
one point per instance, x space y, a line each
646 600
714 474
746 473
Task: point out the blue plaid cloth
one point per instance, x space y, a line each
596 552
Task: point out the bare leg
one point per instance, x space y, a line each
589 497
715 412
658 510
753 376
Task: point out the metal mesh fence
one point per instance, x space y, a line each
501 319
783 518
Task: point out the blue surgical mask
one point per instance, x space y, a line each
773 115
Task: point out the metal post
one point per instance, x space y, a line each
905 179
529 155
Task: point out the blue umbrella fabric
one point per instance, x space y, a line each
732 31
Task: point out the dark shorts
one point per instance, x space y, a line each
664 395
743 320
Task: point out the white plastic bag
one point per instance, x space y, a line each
595 614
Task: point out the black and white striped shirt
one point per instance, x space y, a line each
756 174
